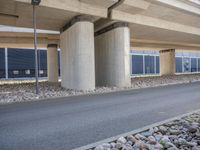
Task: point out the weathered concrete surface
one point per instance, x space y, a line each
77 56
26 40
167 62
169 21
72 122
52 63
112 58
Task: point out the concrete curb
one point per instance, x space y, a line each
101 93
114 138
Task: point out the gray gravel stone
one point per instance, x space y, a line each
24 90
174 136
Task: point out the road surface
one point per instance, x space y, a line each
71 122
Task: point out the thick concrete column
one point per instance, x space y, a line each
167 62
112 47
77 54
52 63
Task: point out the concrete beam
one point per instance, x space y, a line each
133 6
159 45
75 6
182 5
101 3
26 40
154 22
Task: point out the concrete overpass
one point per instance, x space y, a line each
95 35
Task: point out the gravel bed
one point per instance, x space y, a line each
20 91
180 134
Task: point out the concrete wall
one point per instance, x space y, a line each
77 57
167 62
112 58
52 63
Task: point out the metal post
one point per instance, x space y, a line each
6 62
36 54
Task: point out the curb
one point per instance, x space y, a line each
114 138
101 93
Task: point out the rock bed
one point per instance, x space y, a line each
180 134
20 91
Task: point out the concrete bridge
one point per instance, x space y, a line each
95 36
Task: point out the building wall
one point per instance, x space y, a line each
147 62
21 63
2 63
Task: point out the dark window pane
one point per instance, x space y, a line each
24 59
137 64
59 62
2 63
157 64
43 63
149 65
199 64
43 60
193 65
179 65
186 65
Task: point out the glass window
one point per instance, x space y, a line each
27 72
199 64
193 65
137 64
2 63
157 64
15 72
23 60
179 68
41 72
186 65
149 65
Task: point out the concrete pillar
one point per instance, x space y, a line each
77 54
112 47
167 62
52 63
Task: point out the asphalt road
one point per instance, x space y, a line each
66 123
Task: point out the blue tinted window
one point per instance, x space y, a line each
186 65
137 64
43 60
149 65
2 63
193 65
157 64
21 63
179 65
199 64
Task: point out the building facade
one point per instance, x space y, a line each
20 63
